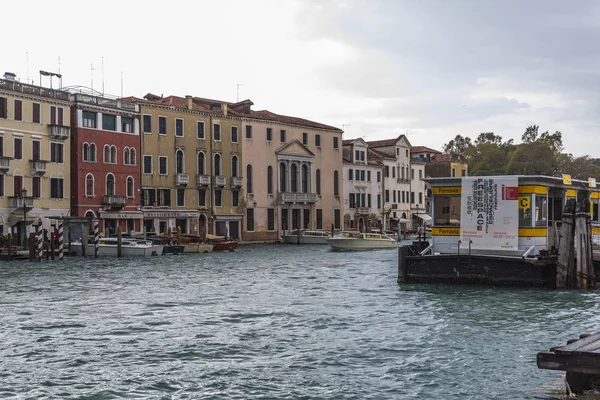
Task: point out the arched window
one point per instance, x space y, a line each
270 180
217 164
90 214
129 186
305 178
249 188
106 153
89 185
126 156
113 154
282 177
336 183
234 167
179 162
132 158
201 163
294 178
318 182
92 152
110 184
85 152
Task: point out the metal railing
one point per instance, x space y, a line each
38 166
182 179
33 90
288 197
19 201
114 201
4 162
220 180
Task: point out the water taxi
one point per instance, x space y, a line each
307 237
129 247
361 241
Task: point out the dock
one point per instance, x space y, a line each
579 358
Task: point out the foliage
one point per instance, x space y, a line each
458 145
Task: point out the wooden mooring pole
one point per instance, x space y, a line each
119 243
565 264
585 277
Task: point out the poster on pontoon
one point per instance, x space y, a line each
489 217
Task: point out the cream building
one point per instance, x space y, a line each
34 155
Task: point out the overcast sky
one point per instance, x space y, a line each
428 68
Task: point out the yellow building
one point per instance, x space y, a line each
191 162
34 155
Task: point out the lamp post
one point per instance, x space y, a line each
24 195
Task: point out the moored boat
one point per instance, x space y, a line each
129 247
361 241
307 237
221 243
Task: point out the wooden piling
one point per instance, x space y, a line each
119 243
402 254
584 264
96 223
52 246
565 263
32 246
61 240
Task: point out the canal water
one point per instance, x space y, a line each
273 322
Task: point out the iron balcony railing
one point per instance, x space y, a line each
4 162
289 197
114 201
220 181
19 201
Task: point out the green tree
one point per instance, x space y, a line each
488 137
457 145
487 159
532 158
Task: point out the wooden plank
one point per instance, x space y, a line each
579 344
590 347
571 363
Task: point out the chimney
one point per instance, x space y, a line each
9 76
189 102
224 108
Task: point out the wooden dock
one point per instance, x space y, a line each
580 358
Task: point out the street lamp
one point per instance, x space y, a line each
24 195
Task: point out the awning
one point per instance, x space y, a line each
15 218
425 217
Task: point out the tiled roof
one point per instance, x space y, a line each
424 149
347 142
382 143
271 116
440 158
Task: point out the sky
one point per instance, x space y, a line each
429 69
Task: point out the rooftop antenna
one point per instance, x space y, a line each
238 92
344 126
102 76
27 64
121 84
92 73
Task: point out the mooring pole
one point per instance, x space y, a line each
402 272
565 262
96 238
61 240
38 244
119 244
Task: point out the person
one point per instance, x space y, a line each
421 232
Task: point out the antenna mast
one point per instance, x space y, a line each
121 84
102 76
92 73
238 92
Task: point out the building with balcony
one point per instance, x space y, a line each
292 174
34 155
190 150
362 187
105 151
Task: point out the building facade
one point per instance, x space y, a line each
105 168
34 155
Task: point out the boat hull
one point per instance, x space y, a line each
111 251
225 246
198 248
360 244
295 239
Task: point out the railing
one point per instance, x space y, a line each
19 201
33 90
288 197
202 180
362 210
104 102
220 181
4 162
114 201
59 131
182 179
38 166
236 182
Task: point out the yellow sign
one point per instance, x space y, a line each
445 231
524 202
571 193
592 182
566 179
449 190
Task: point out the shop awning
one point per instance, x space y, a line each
425 217
15 218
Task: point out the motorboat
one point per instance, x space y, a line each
170 245
221 243
197 248
130 247
191 243
361 241
306 237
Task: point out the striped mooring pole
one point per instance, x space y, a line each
38 241
61 240
96 238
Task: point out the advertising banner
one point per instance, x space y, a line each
490 213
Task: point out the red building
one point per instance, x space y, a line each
105 162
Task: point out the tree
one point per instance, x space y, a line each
457 145
532 158
488 137
487 159
531 134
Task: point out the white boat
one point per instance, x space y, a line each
361 241
307 237
129 248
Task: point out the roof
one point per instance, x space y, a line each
551 181
387 142
424 149
441 158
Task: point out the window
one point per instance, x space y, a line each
453 172
110 184
319 218
109 122
336 184
217 168
179 162
106 153
1 145
282 135
36 187
420 197
180 197
56 188
18 110
369 198
147 164
132 157
18 148
147 124
218 198
397 151
1 185
201 165
126 156
217 132
293 178
406 152
393 172
126 124
89 119
356 155
235 198
269 180
269 134
412 173
250 220
464 172
378 176
56 152
270 219
249 187
248 131
403 197
36 150
3 107
378 201
200 130
162 125
36 117
386 171
304 139
336 142
282 177
305 178
17 185
337 218
92 157
113 154
318 182
387 196
89 185
368 176
162 165
201 198
420 174
164 197
306 218
412 197
393 196
148 197
350 174
234 166
351 200
362 175
447 211
178 127
318 140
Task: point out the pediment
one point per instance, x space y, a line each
294 148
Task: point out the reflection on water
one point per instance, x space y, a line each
280 321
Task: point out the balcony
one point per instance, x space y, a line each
60 132
4 163
38 167
288 197
19 201
113 202
202 180
220 181
236 182
182 179
362 210
33 90
394 206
